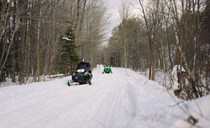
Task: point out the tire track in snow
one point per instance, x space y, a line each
116 103
107 113
26 106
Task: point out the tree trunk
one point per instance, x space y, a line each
38 43
80 27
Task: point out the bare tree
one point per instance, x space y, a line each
151 32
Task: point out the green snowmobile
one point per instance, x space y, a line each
107 69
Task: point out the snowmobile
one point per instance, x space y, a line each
107 69
82 75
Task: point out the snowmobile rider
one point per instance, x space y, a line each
85 65
107 69
83 74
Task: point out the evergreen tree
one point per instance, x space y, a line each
68 57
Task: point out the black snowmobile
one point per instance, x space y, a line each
82 75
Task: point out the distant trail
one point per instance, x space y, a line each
118 100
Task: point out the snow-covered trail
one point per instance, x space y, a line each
123 99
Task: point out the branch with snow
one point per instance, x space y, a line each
66 38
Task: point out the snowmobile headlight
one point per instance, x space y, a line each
80 70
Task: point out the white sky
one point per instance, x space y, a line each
113 7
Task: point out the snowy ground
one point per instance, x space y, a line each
123 99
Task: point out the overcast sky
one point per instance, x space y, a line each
113 7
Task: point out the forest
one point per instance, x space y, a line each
167 33
44 37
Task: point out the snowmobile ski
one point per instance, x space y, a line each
69 83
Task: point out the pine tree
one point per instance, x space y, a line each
68 57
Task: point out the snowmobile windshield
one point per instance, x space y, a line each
107 67
85 66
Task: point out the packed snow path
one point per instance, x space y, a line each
123 99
